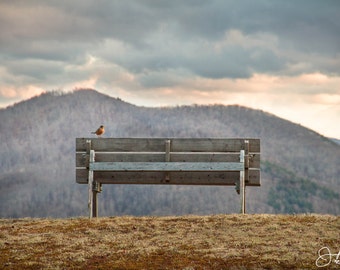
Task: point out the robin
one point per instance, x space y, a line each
99 131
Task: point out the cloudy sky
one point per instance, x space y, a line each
282 57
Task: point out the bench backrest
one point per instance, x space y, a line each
146 151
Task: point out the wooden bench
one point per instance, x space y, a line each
167 161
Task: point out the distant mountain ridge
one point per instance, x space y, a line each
335 140
299 166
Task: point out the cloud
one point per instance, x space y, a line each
261 53
259 91
18 93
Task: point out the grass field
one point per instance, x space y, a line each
183 242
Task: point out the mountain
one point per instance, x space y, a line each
300 168
335 140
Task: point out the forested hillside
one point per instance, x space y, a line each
300 168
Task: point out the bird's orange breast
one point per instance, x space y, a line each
100 131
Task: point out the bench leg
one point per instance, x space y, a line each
242 192
243 198
96 188
94 204
242 185
90 187
90 194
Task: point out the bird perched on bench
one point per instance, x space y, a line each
100 131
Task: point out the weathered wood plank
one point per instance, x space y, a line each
167 166
82 159
211 145
177 144
176 178
123 144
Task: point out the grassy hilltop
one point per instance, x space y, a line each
182 242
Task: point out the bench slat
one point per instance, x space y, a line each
158 144
166 166
82 159
176 178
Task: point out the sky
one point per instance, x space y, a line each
282 57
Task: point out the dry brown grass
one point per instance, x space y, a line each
185 242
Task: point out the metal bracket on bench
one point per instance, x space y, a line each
96 186
167 159
242 184
246 161
93 186
237 186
